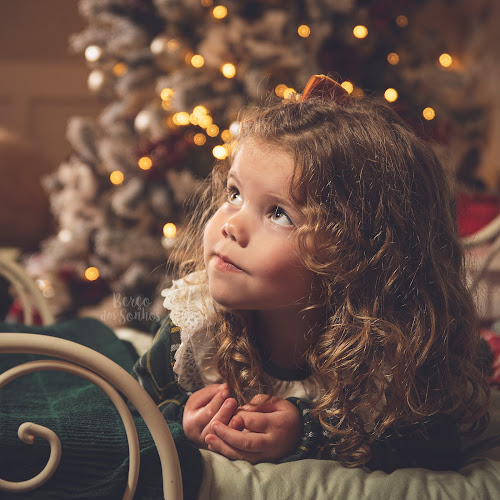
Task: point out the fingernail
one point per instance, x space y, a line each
225 394
215 426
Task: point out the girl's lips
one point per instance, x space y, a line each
225 264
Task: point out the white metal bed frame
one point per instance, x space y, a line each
98 369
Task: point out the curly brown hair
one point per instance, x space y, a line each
400 325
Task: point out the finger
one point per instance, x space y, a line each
217 445
251 442
214 405
253 421
236 423
225 411
205 395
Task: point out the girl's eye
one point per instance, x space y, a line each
281 217
234 196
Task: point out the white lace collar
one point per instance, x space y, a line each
190 305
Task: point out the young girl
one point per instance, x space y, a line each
322 310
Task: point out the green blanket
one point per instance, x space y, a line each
94 463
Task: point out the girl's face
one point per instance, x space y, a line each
250 243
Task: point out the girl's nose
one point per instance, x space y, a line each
235 229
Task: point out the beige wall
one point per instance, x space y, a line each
42 84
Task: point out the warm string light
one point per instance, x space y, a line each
181 118
145 163
92 273
228 70
212 130
429 114
304 31
169 230
197 61
219 12
393 58
116 177
360 31
391 95
220 152
93 53
226 135
205 121
445 60
166 94
207 3
402 21
200 139
120 69
95 79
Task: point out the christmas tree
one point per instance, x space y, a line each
173 76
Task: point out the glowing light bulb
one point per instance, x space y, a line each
205 121
169 230
145 163
219 12
142 120
197 61
347 85
200 111
199 139
116 177
93 53
393 58
391 95
181 118
120 69
92 273
234 128
402 21
228 70
280 89
445 60
360 31
166 94
429 114
226 135
304 31
95 79
219 152
213 130
158 45
288 92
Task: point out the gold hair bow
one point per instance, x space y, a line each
322 86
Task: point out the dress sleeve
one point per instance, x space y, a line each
434 445
313 442
154 371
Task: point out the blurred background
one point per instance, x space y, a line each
113 111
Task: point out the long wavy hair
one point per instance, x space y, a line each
400 335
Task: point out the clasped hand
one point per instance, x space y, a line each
265 430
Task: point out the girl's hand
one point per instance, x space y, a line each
210 404
263 431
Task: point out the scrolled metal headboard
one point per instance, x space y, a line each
93 366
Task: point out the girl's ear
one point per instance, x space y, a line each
324 86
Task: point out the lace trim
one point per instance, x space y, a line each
193 311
